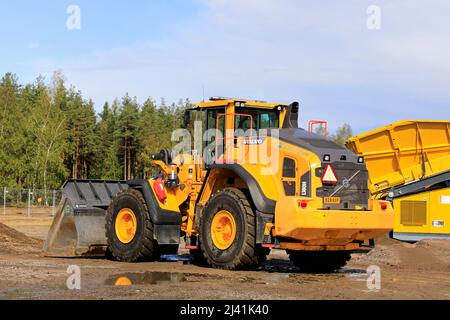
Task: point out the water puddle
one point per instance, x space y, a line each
277 265
357 275
146 278
15 294
276 277
185 258
352 272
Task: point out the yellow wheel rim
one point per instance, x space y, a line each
223 230
126 225
123 281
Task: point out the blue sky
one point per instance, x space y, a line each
320 53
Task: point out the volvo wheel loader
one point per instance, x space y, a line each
306 195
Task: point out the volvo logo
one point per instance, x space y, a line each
253 142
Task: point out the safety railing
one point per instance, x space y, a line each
29 201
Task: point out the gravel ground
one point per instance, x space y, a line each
408 271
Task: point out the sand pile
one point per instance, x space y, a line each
13 242
383 254
440 248
423 255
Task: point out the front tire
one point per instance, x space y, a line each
227 232
129 229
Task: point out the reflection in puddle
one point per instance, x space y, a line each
353 272
15 294
152 278
277 265
276 277
357 275
176 257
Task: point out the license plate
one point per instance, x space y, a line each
332 200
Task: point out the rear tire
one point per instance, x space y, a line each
319 261
142 247
243 252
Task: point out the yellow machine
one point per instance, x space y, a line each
409 164
258 183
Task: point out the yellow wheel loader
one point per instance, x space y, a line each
258 183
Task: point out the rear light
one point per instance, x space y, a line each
329 176
360 159
384 206
303 204
327 158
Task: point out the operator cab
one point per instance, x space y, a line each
227 121
240 114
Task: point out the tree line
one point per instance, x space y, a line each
49 132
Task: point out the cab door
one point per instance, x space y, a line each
214 142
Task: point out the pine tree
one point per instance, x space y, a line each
128 119
49 133
12 137
81 129
106 159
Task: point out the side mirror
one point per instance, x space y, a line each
186 119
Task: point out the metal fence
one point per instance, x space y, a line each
30 200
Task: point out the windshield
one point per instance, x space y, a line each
261 118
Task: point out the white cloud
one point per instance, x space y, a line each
33 45
279 50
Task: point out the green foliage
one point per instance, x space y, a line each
49 133
320 129
12 132
342 134
106 163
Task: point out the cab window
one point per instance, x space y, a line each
256 119
212 119
212 139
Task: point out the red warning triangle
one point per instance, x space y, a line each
329 176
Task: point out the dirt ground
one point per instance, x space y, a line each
408 271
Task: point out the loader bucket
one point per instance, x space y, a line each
78 228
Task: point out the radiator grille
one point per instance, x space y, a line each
351 187
413 213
